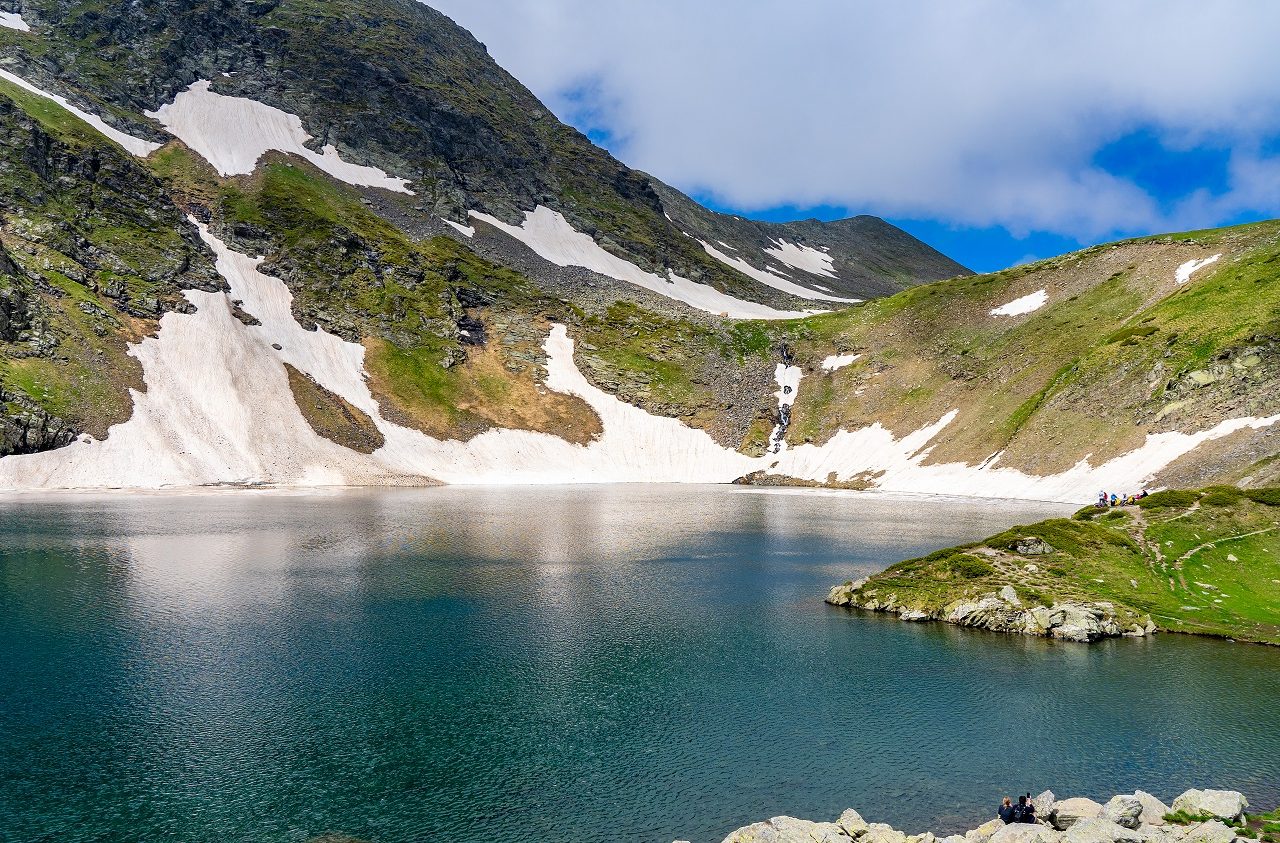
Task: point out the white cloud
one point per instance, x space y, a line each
980 113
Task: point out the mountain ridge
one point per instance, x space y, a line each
505 318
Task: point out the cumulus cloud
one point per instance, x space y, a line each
982 113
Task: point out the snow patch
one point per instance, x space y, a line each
803 258
12 20
464 230
788 380
769 279
232 133
1186 270
133 145
1027 304
838 361
552 237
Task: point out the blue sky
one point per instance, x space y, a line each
996 130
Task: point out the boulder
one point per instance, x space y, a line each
984 832
1153 810
1046 806
1223 804
1123 810
926 837
1032 546
1100 830
881 833
953 838
1025 833
852 823
1069 811
1212 831
788 830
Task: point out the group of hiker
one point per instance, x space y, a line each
1105 500
1023 812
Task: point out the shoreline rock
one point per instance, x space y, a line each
1002 611
1126 818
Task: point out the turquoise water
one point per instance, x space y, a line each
576 664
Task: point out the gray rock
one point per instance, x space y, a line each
953 838
1100 830
1223 804
852 823
1026 833
1070 811
788 830
881 833
1153 810
1046 806
1123 810
984 832
1212 831
1032 546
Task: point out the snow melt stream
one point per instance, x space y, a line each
232 133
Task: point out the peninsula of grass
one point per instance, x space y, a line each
1203 562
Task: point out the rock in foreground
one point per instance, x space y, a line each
1126 818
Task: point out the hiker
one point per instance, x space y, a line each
1024 811
1102 499
1115 501
1005 811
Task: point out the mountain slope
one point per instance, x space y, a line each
455 287
394 84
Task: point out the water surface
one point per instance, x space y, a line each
567 664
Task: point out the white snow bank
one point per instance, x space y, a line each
232 133
1026 304
554 239
14 21
1186 270
464 230
788 380
764 276
133 145
838 361
218 409
896 465
802 257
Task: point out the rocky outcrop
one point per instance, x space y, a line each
1126 818
1223 804
1001 611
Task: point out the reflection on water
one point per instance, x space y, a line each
595 664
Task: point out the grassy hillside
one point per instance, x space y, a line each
1205 562
1119 351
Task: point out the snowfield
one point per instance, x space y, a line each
1027 304
218 410
838 361
232 133
803 258
13 20
133 145
764 276
1184 272
552 237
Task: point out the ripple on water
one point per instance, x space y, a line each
637 663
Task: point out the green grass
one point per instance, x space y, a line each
1216 572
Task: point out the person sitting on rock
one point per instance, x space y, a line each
1006 810
1024 811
